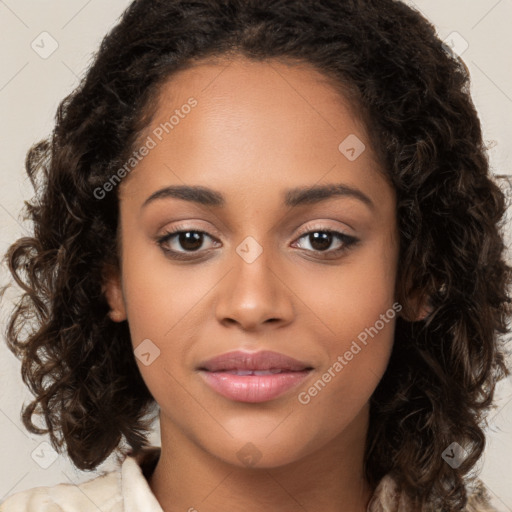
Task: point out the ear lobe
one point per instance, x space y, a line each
418 307
424 309
113 291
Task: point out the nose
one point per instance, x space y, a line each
255 294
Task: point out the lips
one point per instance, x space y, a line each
254 361
253 376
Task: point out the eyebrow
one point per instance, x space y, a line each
292 197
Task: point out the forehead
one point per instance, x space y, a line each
259 88
270 121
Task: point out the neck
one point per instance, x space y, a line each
329 480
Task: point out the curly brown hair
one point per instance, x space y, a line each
413 94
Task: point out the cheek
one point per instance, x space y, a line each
164 305
161 297
357 354
352 296
356 314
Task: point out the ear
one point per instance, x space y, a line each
420 307
416 305
113 291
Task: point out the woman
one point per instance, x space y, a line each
274 221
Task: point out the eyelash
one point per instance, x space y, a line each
348 241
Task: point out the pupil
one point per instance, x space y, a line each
191 240
321 239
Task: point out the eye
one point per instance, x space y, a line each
190 240
321 240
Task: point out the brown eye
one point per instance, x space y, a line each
321 240
179 242
190 240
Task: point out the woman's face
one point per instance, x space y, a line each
259 266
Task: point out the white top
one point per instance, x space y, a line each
121 490
127 490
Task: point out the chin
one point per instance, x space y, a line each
263 451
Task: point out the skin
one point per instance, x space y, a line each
258 129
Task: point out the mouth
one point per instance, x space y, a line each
272 371
263 361
253 376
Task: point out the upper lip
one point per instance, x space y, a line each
263 360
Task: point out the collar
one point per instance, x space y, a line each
135 470
387 497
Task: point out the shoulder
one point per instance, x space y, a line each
109 492
479 499
388 497
99 493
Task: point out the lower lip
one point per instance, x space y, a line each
253 388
